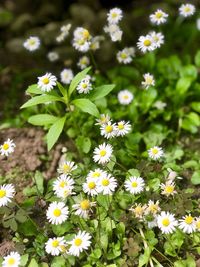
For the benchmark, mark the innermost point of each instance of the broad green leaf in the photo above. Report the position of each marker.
(62, 89)
(144, 258)
(24, 260)
(42, 119)
(196, 106)
(77, 79)
(101, 91)
(27, 228)
(189, 71)
(41, 100)
(58, 261)
(183, 85)
(33, 263)
(54, 132)
(86, 106)
(83, 144)
(33, 89)
(196, 177)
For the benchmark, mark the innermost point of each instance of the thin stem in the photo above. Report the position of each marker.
(145, 245)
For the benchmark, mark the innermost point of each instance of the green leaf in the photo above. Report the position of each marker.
(42, 119)
(189, 71)
(33, 89)
(33, 263)
(24, 260)
(101, 91)
(77, 79)
(61, 229)
(41, 100)
(54, 132)
(196, 106)
(183, 85)
(62, 89)
(86, 106)
(144, 258)
(83, 144)
(58, 261)
(28, 228)
(196, 177)
(39, 182)
(197, 59)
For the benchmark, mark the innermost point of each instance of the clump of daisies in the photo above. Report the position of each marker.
(148, 80)
(32, 43)
(82, 39)
(55, 246)
(66, 76)
(125, 97)
(7, 147)
(85, 85)
(47, 82)
(64, 32)
(126, 55)
(187, 10)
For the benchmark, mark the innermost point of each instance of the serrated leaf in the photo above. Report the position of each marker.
(42, 119)
(77, 79)
(54, 132)
(41, 100)
(86, 106)
(101, 91)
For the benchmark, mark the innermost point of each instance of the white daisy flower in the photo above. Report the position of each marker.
(66, 167)
(11, 260)
(197, 223)
(158, 38)
(7, 148)
(95, 42)
(83, 62)
(148, 80)
(125, 55)
(107, 184)
(155, 152)
(168, 189)
(79, 243)
(138, 210)
(81, 45)
(47, 82)
(55, 246)
(158, 17)
(160, 105)
(7, 192)
(84, 208)
(114, 31)
(84, 86)
(64, 33)
(63, 186)
(134, 185)
(32, 43)
(102, 153)
(57, 212)
(81, 33)
(123, 128)
(104, 119)
(109, 130)
(152, 207)
(53, 56)
(166, 222)
(187, 224)
(187, 10)
(96, 174)
(114, 15)
(66, 76)
(91, 187)
(146, 43)
(125, 97)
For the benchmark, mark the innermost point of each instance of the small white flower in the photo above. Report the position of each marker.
(81, 40)
(81, 33)
(166, 222)
(187, 224)
(168, 189)
(107, 184)
(138, 210)
(96, 174)
(32, 43)
(104, 119)
(146, 43)
(114, 31)
(7, 148)
(83, 62)
(158, 38)
(91, 187)
(95, 42)
(102, 153)
(109, 130)
(47, 82)
(152, 207)
(159, 17)
(57, 212)
(155, 152)
(66, 76)
(123, 128)
(79, 243)
(160, 105)
(55, 246)
(7, 192)
(84, 208)
(53, 56)
(187, 10)
(134, 185)
(63, 186)
(148, 80)
(125, 97)
(11, 260)
(114, 15)
(84, 86)
(125, 55)
(64, 33)
(66, 167)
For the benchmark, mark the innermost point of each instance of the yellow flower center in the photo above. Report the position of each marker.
(5, 146)
(125, 97)
(120, 126)
(134, 184)
(159, 15)
(55, 243)
(91, 185)
(187, 9)
(45, 80)
(31, 42)
(114, 15)
(147, 42)
(11, 261)
(198, 225)
(78, 242)
(149, 80)
(81, 42)
(83, 61)
(138, 210)
(63, 184)
(169, 189)
(105, 182)
(57, 212)
(109, 128)
(165, 222)
(153, 207)
(66, 167)
(154, 151)
(2, 193)
(95, 174)
(84, 85)
(123, 55)
(189, 219)
(102, 153)
(85, 204)
(86, 34)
